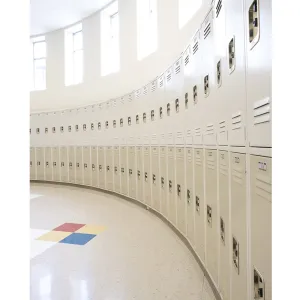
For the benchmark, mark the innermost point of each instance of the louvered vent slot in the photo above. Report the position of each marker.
(209, 129)
(161, 82)
(218, 8)
(207, 30)
(195, 47)
(236, 121)
(222, 126)
(169, 76)
(145, 91)
(153, 87)
(187, 59)
(177, 68)
(262, 111)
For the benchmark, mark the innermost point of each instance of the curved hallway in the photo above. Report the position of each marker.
(132, 255)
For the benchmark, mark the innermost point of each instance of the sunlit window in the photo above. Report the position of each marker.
(39, 63)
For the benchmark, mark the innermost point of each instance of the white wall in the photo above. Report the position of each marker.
(133, 73)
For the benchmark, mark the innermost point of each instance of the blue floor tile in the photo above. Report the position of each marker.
(78, 238)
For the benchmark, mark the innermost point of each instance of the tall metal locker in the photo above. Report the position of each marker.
(181, 189)
(109, 167)
(55, 163)
(164, 186)
(153, 111)
(32, 164)
(171, 186)
(87, 175)
(258, 49)
(225, 241)
(189, 175)
(211, 214)
(200, 207)
(72, 164)
(261, 227)
(124, 172)
(140, 173)
(95, 168)
(238, 226)
(169, 121)
(64, 164)
(147, 176)
(79, 165)
(156, 183)
(40, 163)
(117, 176)
(132, 172)
(48, 164)
(161, 110)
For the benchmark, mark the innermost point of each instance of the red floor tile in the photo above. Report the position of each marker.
(69, 227)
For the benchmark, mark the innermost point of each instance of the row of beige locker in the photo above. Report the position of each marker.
(202, 192)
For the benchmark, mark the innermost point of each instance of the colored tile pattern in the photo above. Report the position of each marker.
(72, 233)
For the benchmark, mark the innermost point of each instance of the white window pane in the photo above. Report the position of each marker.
(39, 74)
(187, 9)
(39, 50)
(77, 40)
(78, 66)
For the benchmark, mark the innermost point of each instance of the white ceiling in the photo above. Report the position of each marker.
(49, 15)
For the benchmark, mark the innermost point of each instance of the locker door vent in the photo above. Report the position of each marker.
(231, 55)
(207, 30)
(236, 121)
(254, 23)
(186, 100)
(187, 60)
(161, 82)
(145, 90)
(169, 76)
(222, 126)
(177, 68)
(219, 74)
(261, 111)
(218, 8)
(235, 254)
(153, 87)
(206, 85)
(209, 129)
(259, 286)
(195, 47)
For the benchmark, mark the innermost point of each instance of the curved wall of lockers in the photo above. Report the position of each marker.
(194, 144)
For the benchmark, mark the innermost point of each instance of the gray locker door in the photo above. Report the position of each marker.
(190, 196)
(212, 219)
(200, 207)
(117, 171)
(55, 163)
(32, 164)
(124, 172)
(132, 172)
(102, 168)
(48, 164)
(40, 163)
(72, 164)
(147, 176)
(64, 164)
(79, 165)
(171, 185)
(140, 172)
(163, 181)
(87, 166)
(225, 241)
(261, 227)
(95, 169)
(109, 168)
(180, 190)
(155, 178)
(239, 226)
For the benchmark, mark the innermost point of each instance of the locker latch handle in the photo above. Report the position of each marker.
(130, 171)
(195, 94)
(178, 189)
(259, 285)
(54, 164)
(209, 215)
(170, 185)
(153, 178)
(139, 174)
(93, 167)
(222, 230)
(146, 176)
(77, 165)
(116, 169)
(122, 170)
(62, 164)
(197, 203)
(38, 163)
(70, 165)
(188, 195)
(177, 105)
(31, 164)
(235, 254)
(107, 168)
(100, 168)
(47, 164)
(162, 180)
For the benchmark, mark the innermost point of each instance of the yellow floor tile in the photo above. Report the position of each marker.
(91, 229)
(54, 236)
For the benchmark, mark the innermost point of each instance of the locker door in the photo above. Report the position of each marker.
(132, 172)
(117, 177)
(225, 241)
(261, 227)
(190, 196)
(180, 189)
(163, 181)
(48, 164)
(55, 163)
(211, 215)
(87, 176)
(200, 207)
(147, 176)
(140, 172)
(102, 168)
(32, 164)
(239, 226)
(40, 163)
(95, 169)
(171, 186)
(109, 167)
(72, 164)
(124, 172)
(64, 164)
(79, 165)
(155, 178)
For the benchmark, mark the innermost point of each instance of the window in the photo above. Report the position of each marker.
(110, 56)
(73, 55)
(187, 9)
(146, 27)
(39, 63)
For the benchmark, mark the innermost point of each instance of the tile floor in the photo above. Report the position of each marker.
(86, 245)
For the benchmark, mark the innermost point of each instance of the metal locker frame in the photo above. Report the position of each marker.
(48, 164)
(147, 175)
(140, 173)
(87, 165)
(211, 214)
(155, 180)
(56, 164)
(171, 186)
(164, 183)
(124, 170)
(132, 172)
(261, 227)
(40, 163)
(72, 164)
(64, 164)
(32, 165)
(239, 245)
(95, 168)
(79, 165)
(109, 157)
(117, 171)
